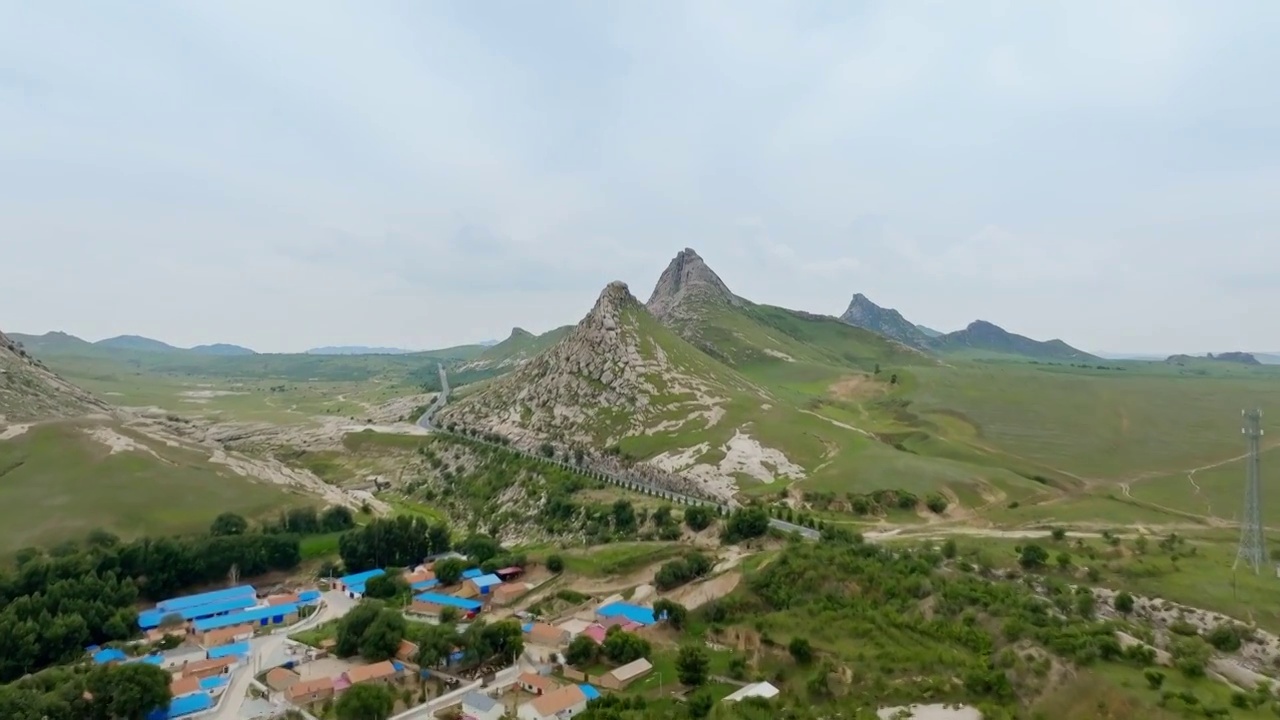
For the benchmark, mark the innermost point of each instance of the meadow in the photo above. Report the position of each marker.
(57, 483)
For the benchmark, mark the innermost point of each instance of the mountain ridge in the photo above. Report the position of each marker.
(29, 391)
(884, 321)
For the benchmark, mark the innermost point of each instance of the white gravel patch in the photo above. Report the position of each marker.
(13, 431)
(929, 712)
(742, 454)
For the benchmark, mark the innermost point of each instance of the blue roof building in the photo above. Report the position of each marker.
(240, 648)
(450, 601)
(152, 659)
(485, 582)
(424, 585)
(148, 619)
(215, 596)
(109, 655)
(634, 613)
(308, 597)
(183, 706)
(471, 573)
(590, 691)
(262, 617)
(360, 578)
(215, 682)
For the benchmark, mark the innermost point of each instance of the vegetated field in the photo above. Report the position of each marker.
(1215, 492)
(1201, 577)
(1145, 420)
(619, 558)
(57, 483)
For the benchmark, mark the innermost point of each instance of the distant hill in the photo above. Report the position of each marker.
(52, 343)
(136, 343)
(222, 349)
(519, 347)
(985, 338)
(883, 321)
(930, 332)
(1268, 358)
(29, 391)
(358, 350)
(1240, 358)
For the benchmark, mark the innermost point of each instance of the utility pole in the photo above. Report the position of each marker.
(1252, 549)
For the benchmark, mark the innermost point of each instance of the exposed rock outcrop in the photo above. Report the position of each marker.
(29, 391)
(883, 321)
(687, 282)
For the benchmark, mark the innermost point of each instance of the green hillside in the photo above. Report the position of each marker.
(518, 347)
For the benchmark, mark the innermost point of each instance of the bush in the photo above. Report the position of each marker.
(678, 572)
(801, 650)
(936, 504)
(697, 517)
(555, 564)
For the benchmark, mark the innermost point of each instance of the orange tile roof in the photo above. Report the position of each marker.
(407, 651)
(285, 599)
(200, 666)
(365, 673)
(560, 700)
(544, 634)
(222, 636)
(282, 678)
(425, 608)
(184, 686)
(541, 682)
(308, 687)
(420, 575)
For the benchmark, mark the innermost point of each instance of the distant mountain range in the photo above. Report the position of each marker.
(358, 350)
(980, 338)
(60, 343)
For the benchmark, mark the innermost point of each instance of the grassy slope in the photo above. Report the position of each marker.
(57, 483)
(522, 346)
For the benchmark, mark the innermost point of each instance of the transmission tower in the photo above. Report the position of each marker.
(1252, 550)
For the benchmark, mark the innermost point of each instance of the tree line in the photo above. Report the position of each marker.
(110, 692)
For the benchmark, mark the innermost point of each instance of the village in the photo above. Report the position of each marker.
(237, 654)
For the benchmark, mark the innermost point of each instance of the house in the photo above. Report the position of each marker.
(257, 617)
(235, 651)
(381, 673)
(310, 691)
(760, 690)
(158, 634)
(182, 707)
(185, 685)
(620, 677)
(225, 635)
(556, 705)
(208, 668)
(406, 652)
(108, 656)
(536, 684)
(281, 679)
(634, 613)
(481, 707)
(353, 585)
(468, 608)
(181, 655)
(283, 599)
(596, 632)
(546, 635)
(484, 583)
(510, 573)
(507, 593)
(429, 611)
(420, 575)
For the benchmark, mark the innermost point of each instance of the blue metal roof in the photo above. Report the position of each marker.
(361, 577)
(214, 596)
(240, 648)
(152, 660)
(634, 613)
(185, 705)
(424, 584)
(357, 588)
(485, 581)
(214, 682)
(590, 692)
(449, 600)
(148, 619)
(472, 573)
(308, 595)
(256, 615)
(102, 657)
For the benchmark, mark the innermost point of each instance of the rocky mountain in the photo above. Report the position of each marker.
(616, 373)
(930, 332)
(29, 391)
(884, 321)
(1240, 358)
(985, 338)
(692, 300)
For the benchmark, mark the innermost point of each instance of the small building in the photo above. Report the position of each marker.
(627, 612)
(507, 593)
(420, 575)
(236, 651)
(426, 610)
(484, 583)
(282, 599)
(208, 668)
(548, 636)
(257, 617)
(755, 690)
(556, 705)
(226, 635)
(471, 573)
(185, 685)
(509, 573)
(468, 608)
(310, 691)
(479, 706)
(183, 707)
(620, 677)
(381, 673)
(407, 652)
(181, 655)
(106, 656)
(353, 585)
(281, 679)
(536, 684)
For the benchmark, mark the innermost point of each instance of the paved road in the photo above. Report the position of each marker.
(441, 398)
(336, 604)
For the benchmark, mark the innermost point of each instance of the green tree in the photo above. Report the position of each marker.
(381, 639)
(1123, 603)
(228, 524)
(365, 702)
(697, 517)
(1032, 556)
(1154, 677)
(449, 570)
(1064, 560)
(622, 647)
(385, 587)
(801, 650)
(128, 692)
(555, 564)
(949, 549)
(1058, 534)
(352, 626)
(582, 651)
(692, 666)
(673, 612)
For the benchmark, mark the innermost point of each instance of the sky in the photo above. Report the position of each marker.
(290, 174)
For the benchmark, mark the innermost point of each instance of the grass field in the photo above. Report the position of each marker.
(57, 483)
(619, 558)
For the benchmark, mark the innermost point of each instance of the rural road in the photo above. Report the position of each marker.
(442, 398)
(336, 604)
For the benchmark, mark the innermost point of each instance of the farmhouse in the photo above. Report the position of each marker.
(257, 617)
(507, 593)
(483, 584)
(625, 612)
(185, 685)
(281, 679)
(224, 635)
(545, 635)
(468, 608)
(536, 684)
(559, 704)
(310, 691)
(380, 673)
(353, 585)
(203, 605)
(481, 707)
(620, 677)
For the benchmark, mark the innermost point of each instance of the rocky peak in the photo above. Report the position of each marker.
(687, 278)
(883, 321)
(519, 332)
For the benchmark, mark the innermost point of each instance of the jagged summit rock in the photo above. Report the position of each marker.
(687, 282)
(519, 332)
(884, 321)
